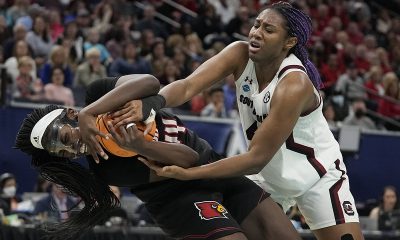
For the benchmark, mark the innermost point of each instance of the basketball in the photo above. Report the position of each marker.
(110, 145)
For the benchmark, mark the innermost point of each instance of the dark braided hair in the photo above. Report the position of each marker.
(75, 179)
(299, 25)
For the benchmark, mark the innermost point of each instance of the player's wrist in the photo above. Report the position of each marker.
(150, 106)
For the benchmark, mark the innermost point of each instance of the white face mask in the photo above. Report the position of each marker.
(10, 191)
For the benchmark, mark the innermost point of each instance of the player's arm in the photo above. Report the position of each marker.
(213, 70)
(228, 61)
(127, 88)
(293, 96)
(164, 153)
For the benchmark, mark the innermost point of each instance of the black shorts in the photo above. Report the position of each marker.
(201, 209)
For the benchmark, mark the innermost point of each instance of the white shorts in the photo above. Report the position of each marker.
(327, 203)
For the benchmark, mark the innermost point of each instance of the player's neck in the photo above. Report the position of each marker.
(266, 71)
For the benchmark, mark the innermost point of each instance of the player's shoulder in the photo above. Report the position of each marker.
(239, 47)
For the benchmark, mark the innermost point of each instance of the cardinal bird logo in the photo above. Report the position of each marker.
(210, 209)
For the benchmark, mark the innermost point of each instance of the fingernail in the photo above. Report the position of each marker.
(106, 157)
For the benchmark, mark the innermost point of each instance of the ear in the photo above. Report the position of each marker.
(290, 43)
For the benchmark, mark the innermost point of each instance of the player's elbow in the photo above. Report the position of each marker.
(192, 157)
(152, 83)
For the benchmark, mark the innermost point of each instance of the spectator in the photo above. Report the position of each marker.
(357, 116)
(5, 32)
(330, 115)
(207, 22)
(39, 40)
(130, 62)
(90, 70)
(56, 91)
(17, 10)
(21, 49)
(27, 87)
(216, 107)
(330, 73)
(390, 107)
(374, 85)
(57, 59)
(388, 212)
(8, 193)
(235, 24)
(56, 27)
(149, 23)
(193, 46)
(19, 33)
(229, 88)
(74, 36)
(55, 207)
(157, 58)
(171, 73)
(93, 40)
(351, 84)
(226, 10)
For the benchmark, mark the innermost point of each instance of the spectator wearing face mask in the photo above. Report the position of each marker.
(357, 116)
(8, 193)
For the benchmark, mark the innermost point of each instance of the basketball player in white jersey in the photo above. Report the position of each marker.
(290, 144)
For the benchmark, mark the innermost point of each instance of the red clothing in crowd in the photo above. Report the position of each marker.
(389, 109)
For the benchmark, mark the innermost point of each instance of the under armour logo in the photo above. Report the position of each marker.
(36, 139)
(248, 80)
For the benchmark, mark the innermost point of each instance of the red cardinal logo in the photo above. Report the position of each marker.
(210, 210)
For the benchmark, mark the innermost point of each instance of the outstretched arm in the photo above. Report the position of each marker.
(230, 60)
(293, 96)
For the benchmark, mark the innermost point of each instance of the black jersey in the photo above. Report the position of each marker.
(129, 172)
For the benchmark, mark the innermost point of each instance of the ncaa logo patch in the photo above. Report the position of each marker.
(348, 208)
(246, 88)
(210, 209)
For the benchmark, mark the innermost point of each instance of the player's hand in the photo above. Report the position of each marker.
(130, 112)
(167, 171)
(128, 137)
(89, 131)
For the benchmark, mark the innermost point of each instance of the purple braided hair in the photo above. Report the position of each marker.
(299, 26)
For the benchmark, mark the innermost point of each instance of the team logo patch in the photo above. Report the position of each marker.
(267, 97)
(210, 209)
(246, 88)
(348, 208)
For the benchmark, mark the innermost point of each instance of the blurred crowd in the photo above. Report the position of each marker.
(51, 50)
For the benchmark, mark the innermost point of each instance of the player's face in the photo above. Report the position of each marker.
(268, 36)
(64, 137)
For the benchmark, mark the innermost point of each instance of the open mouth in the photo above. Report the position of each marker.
(254, 46)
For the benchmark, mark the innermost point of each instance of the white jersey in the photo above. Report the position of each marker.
(308, 152)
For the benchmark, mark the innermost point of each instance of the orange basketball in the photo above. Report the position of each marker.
(113, 147)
